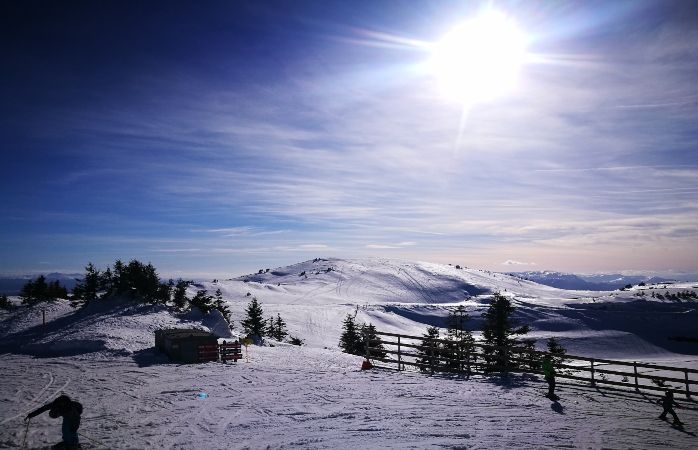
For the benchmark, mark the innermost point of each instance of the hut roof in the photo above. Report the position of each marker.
(186, 333)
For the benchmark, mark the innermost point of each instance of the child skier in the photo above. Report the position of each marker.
(549, 374)
(667, 402)
(64, 407)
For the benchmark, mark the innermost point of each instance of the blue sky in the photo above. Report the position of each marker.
(223, 138)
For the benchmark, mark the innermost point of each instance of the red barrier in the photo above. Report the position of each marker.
(230, 352)
(208, 352)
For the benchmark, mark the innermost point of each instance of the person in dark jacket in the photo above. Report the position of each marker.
(70, 410)
(667, 402)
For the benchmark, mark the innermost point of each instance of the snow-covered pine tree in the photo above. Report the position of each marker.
(461, 350)
(428, 353)
(351, 340)
(500, 329)
(254, 322)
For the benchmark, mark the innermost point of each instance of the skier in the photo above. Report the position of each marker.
(70, 410)
(667, 402)
(549, 374)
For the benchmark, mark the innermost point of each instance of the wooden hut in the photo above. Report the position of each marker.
(187, 345)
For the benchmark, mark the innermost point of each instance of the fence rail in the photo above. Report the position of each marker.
(428, 355)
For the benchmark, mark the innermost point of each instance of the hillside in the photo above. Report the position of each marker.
(315, 396)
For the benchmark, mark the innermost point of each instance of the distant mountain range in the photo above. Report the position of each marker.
(560, 280)
(598, 282)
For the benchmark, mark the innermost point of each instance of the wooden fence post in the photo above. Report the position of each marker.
(368, 352)
(399, 359)
(637, 386)
(688, 392)
(431, 360)
(593, 382)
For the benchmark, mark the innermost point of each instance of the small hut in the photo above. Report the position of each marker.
(187, 345)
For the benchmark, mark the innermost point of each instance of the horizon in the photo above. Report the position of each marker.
(680, 276)
(211, 139)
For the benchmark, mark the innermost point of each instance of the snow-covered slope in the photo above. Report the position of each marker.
(315, 396)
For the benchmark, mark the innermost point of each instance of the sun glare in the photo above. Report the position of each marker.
(479, 60)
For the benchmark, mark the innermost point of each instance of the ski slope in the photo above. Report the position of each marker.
(315, 396)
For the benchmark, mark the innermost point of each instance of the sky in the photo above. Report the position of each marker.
(221, 138)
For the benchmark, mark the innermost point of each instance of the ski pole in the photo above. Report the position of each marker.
(93, 440)
(26, 430)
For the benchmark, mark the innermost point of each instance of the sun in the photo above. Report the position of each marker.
(480, 59)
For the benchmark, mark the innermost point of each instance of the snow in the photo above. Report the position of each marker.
(315, 396)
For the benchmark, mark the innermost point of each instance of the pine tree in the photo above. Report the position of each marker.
(368, 332)
(277, 328)
(461, 349)
(254, 322)
(221, 306)
(350, 340)
(179, 296)
(428, 353)
(203, 301)
(557, 354)
(500, 329)
(5, 302)
(26, 294)
(41, 288)
(88, 288)
(118, 279)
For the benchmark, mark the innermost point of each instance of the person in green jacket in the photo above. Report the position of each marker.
(549, 374)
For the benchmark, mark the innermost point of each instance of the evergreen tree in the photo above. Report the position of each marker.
(428, 353)
(557, 354)
(26, 294)
(254, 322)
(38, 290)
(5, 302)
(41, 288)
(88, 288)
(351, 340)
(56, 291)
(221, 306)
(368, 332)
(499, 328)
(107, 283)
(203, 301)
(277, 328)
(179, 297)
(118, 278)
(461, 348)
(296, 341)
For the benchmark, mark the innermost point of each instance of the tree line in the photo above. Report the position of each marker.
(499, 329)
(141, 283)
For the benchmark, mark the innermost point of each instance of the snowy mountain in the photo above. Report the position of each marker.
(597, 282)
(315, 396)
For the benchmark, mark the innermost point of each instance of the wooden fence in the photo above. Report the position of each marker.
(429, 354)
